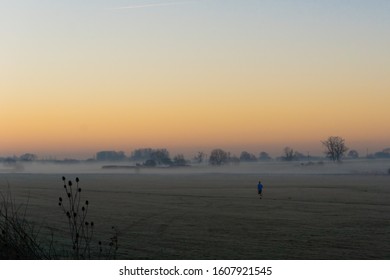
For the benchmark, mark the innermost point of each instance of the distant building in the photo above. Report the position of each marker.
(110, 156)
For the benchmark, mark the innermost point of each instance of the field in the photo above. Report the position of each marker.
(307, 212)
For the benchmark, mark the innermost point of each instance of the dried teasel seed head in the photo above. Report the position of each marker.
(63, 178)
(59, 204)
(79, 189)
(68, 194)
(92, 224)
(70, 183)
(77, 179)
(100, 243)
(86, 223)
(86, 202)
(60, 198)
(83, 208)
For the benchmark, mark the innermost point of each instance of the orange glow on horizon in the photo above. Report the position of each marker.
(121, 79)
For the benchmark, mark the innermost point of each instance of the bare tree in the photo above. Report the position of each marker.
(335, 148)
(179, 160)
(245, 156)
(288, 154)
(353, 154)
(218, 157)
(199, 157)
(161, 156)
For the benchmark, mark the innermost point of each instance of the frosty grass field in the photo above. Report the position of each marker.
(314, 211)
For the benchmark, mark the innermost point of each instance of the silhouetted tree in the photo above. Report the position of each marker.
(263, 156)
(199, 157)
(233, 159)
(28, 157)
(141, 154)
(245, 156)
(179, 160)
(161, 156)
(218, 157)
(353, 154)
(288, 154)
(335, 148)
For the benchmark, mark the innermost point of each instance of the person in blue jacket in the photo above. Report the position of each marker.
(260, 189)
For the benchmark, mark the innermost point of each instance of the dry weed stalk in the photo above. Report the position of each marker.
(81, 229)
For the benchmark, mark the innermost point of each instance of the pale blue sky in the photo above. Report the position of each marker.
(289, 58)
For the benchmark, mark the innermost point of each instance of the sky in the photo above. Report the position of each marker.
(77, 77)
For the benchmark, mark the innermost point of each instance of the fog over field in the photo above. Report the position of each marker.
(308, 211)
(357, 166)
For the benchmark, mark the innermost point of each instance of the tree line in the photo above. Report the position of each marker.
(335, 149)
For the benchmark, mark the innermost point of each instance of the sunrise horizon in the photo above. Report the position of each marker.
(77, 78)
(274, 151)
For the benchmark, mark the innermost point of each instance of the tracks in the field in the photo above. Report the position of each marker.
(209, 198)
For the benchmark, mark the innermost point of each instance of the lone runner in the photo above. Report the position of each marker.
(260, 189)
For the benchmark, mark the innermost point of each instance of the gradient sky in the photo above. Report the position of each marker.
(77, 77)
